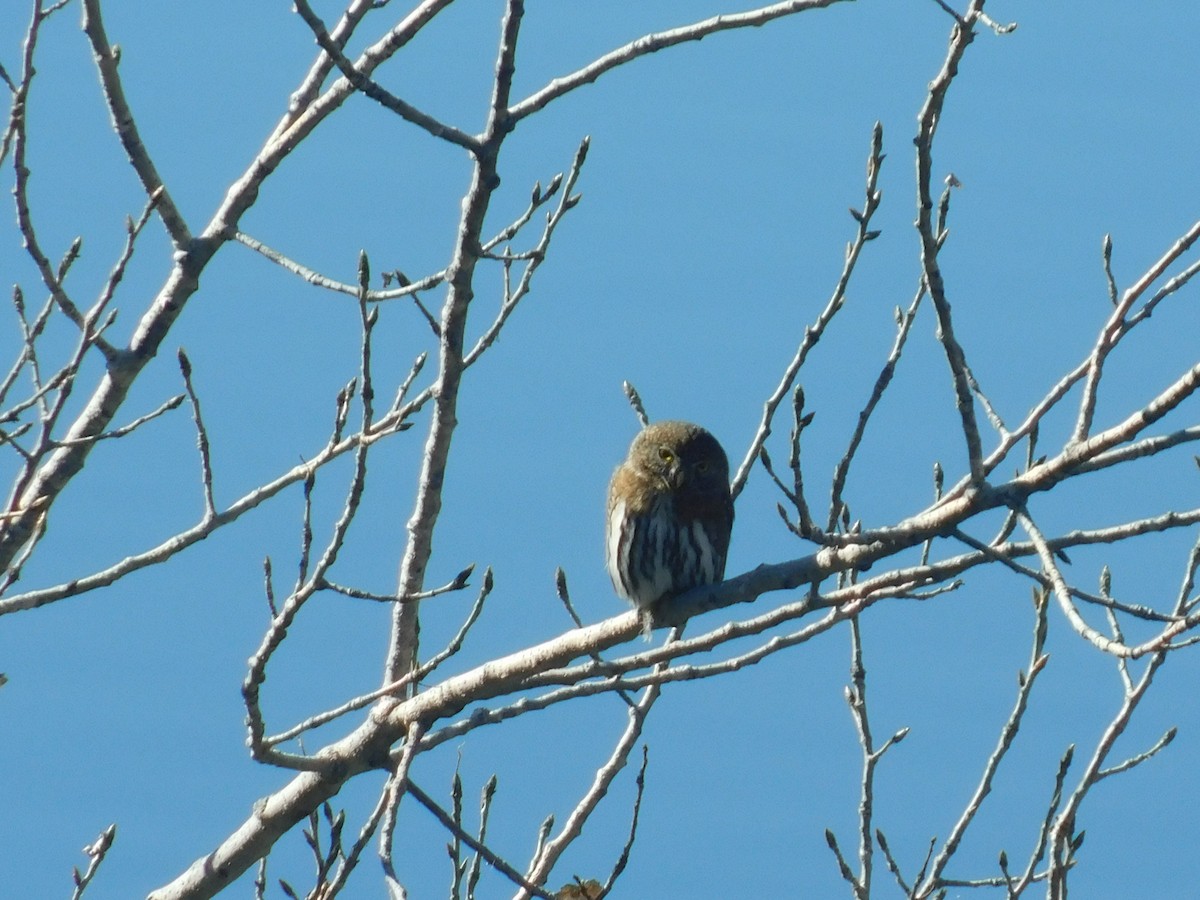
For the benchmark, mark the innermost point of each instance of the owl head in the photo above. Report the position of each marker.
(681, 458)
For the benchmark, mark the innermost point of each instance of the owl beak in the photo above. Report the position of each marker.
(676, 476)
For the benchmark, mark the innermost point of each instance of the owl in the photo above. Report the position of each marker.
(669, 516)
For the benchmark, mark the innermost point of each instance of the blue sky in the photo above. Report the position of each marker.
(711, 231)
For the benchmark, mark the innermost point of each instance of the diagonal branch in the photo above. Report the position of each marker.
(1037, 662)
(1056, 394)
(122, 119)
(371, 88)
(551, 852)
(813, 333)
(390, 424)
(492, 858)
(904, 322)
(660, 40)
(304, 95)
(1116, 326)
(1062, 593)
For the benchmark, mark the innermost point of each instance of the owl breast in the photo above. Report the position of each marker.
(657, 554)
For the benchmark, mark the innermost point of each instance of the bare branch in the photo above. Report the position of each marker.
(843, 867)
(1109, 603)
(398, 785)
(567, 201)
(29, 334)
(492, 859)
(365, 700)
(366, 85)
(206, 473)
(122, 119)
(1106, 253)
(389, 425)
(96, 850)
(813, 332)
(459, 582)
(1037, 662)
(1114, 329)
(960, 38)
(485, 806)
(166, 407)
(623, 859)
(1063, 594)
(652, 43)
(904, 323)
(856, 699)
(892, 865)
(304, 95)
(403, 644)
(309, 275)
(549, 854)
(1040, 845)
(51, 277)
(1139, 758)
(133, 230)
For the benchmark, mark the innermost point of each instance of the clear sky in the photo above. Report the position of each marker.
(711, 232)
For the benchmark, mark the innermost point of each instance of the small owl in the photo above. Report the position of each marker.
(669, 515)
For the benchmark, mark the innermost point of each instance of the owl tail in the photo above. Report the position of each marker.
(646, 618)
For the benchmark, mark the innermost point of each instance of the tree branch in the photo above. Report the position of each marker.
(652, 43)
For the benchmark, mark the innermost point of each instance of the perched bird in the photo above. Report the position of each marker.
(669, 515)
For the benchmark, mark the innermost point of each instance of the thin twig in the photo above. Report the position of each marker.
(394, 422)
(1114, 329)
(566, 202)
(122, 119)
(303, 97)
(1106, 248)
(52, 278)
(398, 785)
(206, 472)
(961, 36)
(350, 859)
(904, 322)
(1061, 389)
(96, 851)
(393, 687)
(308, 583)
(133, 230)
(460, 581)
(311, 276)
(1139, 758)
(490, 857)
(1110, 604)
(892, 865)
(813, 333)
(365, 84)
(843, 867)
(856, 699)
(166, 407)
(1037, 662)
(29, 334)
(1062, 593)
(623, 857)
(652, 43)
(551, 851)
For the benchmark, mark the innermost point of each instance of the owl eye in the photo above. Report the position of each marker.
(665, 455)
